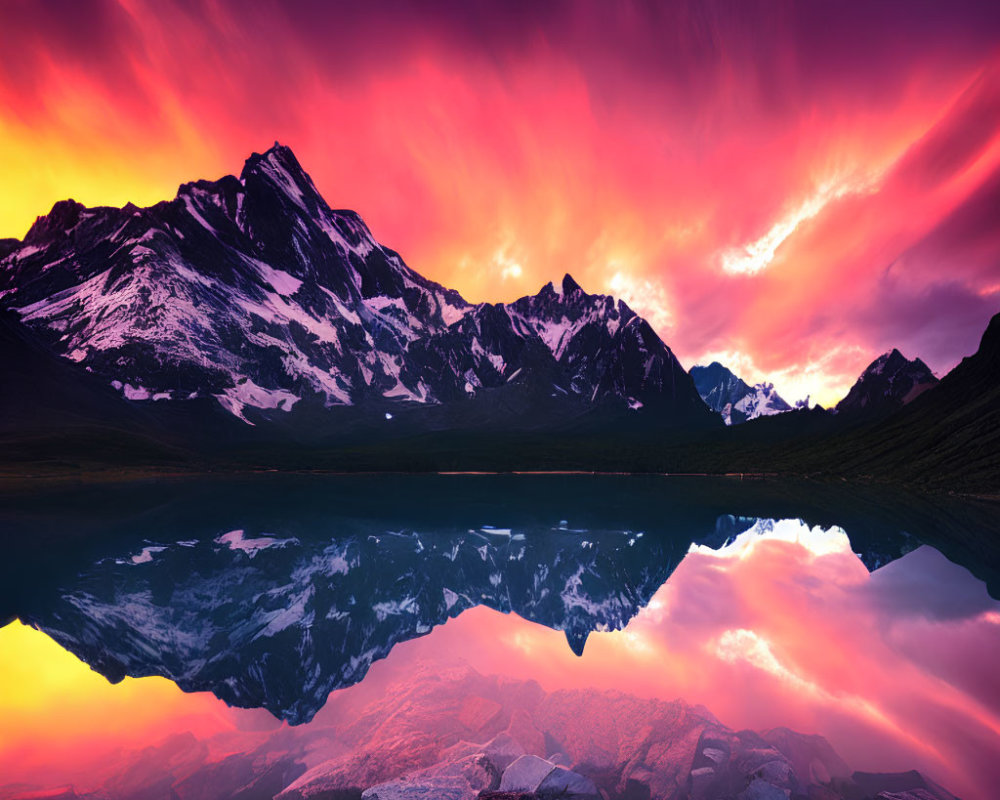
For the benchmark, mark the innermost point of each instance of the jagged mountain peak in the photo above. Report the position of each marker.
(762, 401)
(277, 185)
(277, 154)
(63, 217)
(565, 288)
(568, 296)
(569, 285)
(888, 382)
(891, 359)
(277, 161)
(894, 360)
(280, 169)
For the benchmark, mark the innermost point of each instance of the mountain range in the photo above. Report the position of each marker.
(252, 291)
(246, 323)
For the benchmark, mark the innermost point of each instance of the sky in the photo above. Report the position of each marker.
(789, 188)
(782, 629)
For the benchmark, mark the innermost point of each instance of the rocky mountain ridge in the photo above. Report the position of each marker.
(253, 291)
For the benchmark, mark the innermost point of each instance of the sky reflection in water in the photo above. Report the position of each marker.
(783, 627)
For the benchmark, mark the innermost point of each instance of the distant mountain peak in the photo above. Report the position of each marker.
(888, 382)
(890, 359)
(735, 400)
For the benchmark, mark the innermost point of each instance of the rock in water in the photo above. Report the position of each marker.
(525, 774)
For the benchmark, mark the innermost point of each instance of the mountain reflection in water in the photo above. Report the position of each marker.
(275, 602)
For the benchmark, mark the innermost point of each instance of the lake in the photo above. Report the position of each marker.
(463, 636)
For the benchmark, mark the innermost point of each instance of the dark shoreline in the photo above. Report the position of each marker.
(965, 527)
(122, 476)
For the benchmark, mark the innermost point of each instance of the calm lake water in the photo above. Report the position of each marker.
(457, 636)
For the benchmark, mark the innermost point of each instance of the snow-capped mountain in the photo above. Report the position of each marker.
(718, 386)
(763, 401)
(735, 400)
(253, 291)
(889, 382)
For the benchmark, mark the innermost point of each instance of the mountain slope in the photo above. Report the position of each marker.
(952, 429)
(948, 437)
(718, 386)
(253, 292)
(55, 413)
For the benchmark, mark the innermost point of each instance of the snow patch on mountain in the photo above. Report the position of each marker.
(136, 392)
(762, 401)
(279, 280)
(237, 398)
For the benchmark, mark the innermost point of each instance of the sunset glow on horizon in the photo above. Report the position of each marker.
(791, 189)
